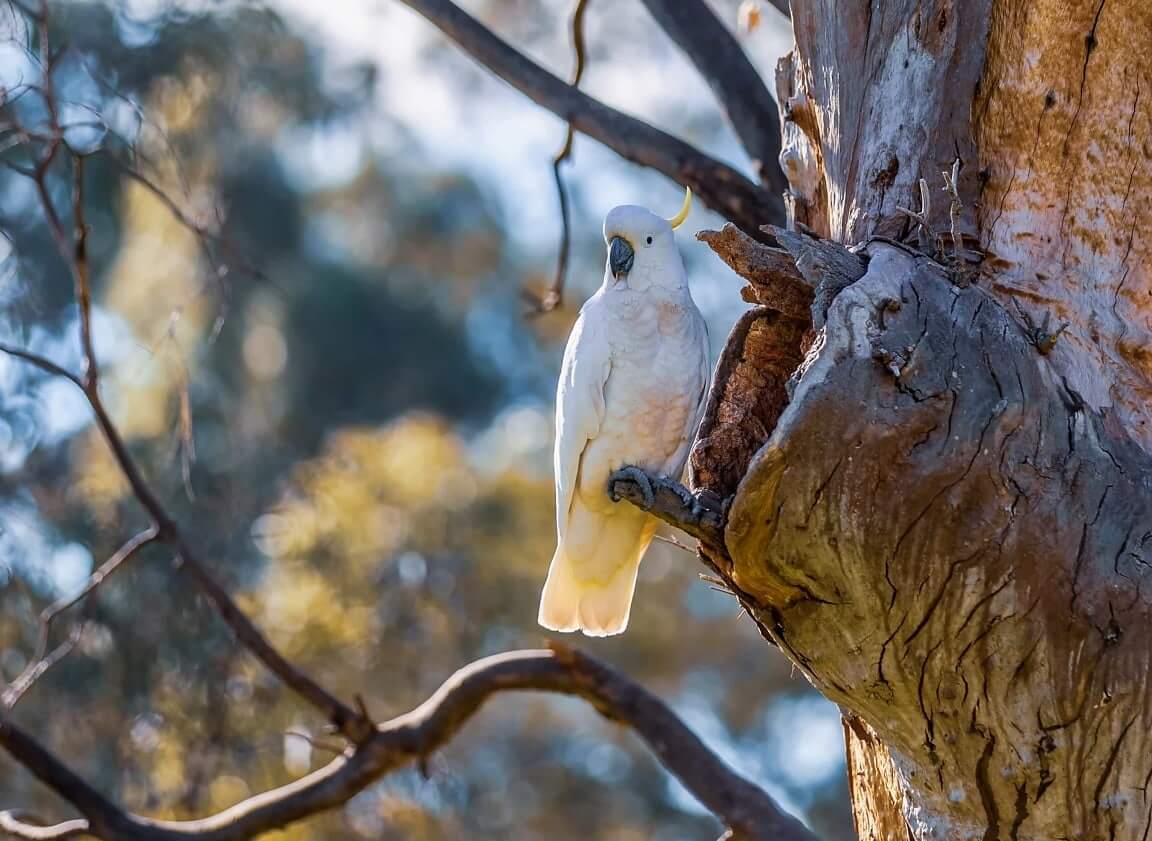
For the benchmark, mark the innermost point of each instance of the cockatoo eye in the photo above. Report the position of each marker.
(649, 240)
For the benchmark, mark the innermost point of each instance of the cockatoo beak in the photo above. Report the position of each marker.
(620, 257)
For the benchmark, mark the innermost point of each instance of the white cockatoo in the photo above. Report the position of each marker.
(631, 393)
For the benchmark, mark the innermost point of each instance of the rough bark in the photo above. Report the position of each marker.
(951, 545)
(940, 513)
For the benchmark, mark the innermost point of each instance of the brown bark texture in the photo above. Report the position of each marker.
(938, 502)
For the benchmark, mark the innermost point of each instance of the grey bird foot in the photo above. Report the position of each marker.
(642, 481)
(687, 497)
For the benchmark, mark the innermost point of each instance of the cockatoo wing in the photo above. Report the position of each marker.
(579, 405)
(705, 380)
(674, 467)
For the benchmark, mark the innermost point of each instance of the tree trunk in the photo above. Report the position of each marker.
(942, 517)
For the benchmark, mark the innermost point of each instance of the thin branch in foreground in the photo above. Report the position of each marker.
(736, 802)
(48, 616)
(717, 185)
(42, 362)
(80, 269)
(19, 824)
(36, 669)
(555, 294)
(352, 725)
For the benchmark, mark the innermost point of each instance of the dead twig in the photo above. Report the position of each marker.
(553, 297)
(36, 669)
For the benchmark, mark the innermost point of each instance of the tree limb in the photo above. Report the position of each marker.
(739, 90)
(43, 363)
(347, 720)
(718, 185)
(555, 293)
(774, 281)
(13, 823)
(41, 660)
(734, 800)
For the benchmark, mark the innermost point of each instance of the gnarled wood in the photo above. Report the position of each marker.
(952, 546)
(773, 279)
(946, 528)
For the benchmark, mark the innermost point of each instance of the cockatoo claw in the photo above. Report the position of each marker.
(686, 496)
(640, 478)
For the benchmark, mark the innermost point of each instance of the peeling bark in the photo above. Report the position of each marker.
(749, 388)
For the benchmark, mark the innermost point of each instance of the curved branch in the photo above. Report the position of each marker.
(734, 800)
(718, 185)
(42, 660)
(555, 294)
(739, 90)
(42, 362)
(347, 720)
(11, 823)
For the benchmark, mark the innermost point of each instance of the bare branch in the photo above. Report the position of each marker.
(43, 363)
(36, 669)
(739, 90)
(42, 660)
(374, 751)
(346, 720)
(774, 281)
(19, 825)
(718, 185)
(203, 234)
(555, 294)
(80, 269)
(734, 800)
(340, 714)
(104, 818)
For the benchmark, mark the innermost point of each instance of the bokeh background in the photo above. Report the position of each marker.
(354, 417)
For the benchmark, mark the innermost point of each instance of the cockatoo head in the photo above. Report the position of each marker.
(642, 246)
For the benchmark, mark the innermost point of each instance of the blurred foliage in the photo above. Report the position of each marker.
(349, 432)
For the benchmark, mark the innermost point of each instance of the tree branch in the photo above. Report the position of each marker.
(43, 363)
(739, 90)
(718, 185)
(734, 800)
(553, 297)
(774, 281)
(42, 660)
(17, 825)
(350, 723)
